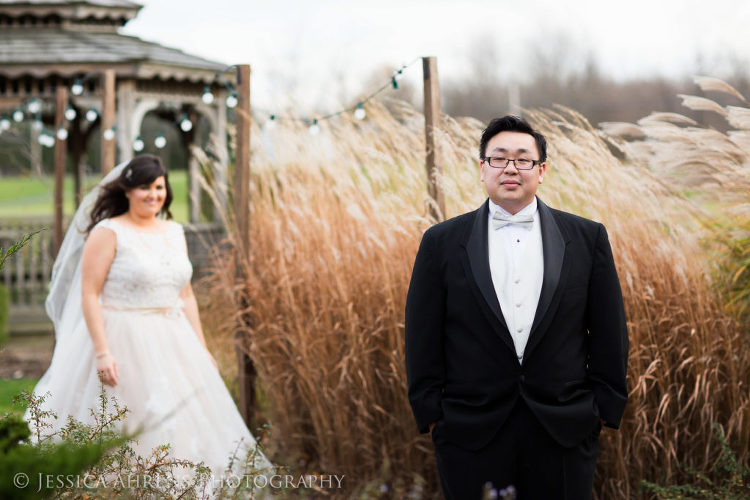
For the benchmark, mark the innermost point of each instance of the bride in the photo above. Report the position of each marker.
(125, 315)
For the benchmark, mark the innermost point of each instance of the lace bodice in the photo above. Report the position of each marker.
(149, 269)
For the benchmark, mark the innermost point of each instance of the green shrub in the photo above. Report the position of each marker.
(84, 460)
(733, 482)
(4, 308)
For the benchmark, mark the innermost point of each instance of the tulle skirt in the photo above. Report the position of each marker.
(173, 392)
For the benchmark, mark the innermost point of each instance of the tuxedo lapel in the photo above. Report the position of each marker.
(479, 264)
(553, 250)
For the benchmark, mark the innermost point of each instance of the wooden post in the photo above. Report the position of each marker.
(431, 124)
(242, 160)
(246, 370)
(61, 102)
(108, 121)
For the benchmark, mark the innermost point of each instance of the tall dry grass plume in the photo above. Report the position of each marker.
(336, 220)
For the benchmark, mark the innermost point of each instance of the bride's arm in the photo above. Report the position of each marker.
(193, 316)
(191, 311)
(98, 254)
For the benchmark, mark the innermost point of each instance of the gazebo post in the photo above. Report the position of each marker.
(125, 133)
(193, 171)
(61, 101)
(108, 121)
(246, 369)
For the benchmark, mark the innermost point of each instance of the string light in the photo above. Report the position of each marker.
(34, 106)
(46, 140)
(271, 123)
(360, 113)
(185, 124)
(397, 75)
(314, 128)
(70, 113)
(207, 96)
(232, 100)
(77, 88)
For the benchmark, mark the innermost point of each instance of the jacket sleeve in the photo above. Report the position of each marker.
(425, 311)
(608, 347)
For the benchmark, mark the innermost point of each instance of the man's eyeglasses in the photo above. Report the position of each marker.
(501, 162)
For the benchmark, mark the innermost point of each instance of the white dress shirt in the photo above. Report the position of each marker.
(517, 268)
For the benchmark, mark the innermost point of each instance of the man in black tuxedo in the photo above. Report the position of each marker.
(516, 341)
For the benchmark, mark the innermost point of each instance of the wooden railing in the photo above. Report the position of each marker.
(26, 275)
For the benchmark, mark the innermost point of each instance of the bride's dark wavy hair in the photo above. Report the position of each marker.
(142, 170)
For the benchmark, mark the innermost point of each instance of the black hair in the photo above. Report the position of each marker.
(512, 123)
(142, 170)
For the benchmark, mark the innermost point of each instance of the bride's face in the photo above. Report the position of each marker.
(147, 200)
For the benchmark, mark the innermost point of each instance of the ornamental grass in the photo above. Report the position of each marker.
(336, 219)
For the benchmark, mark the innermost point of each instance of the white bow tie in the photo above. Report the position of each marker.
(500, 220)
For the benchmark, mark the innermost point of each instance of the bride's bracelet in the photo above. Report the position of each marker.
(102, 354)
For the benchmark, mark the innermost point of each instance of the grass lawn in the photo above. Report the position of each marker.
(33, 195)
(9, 388)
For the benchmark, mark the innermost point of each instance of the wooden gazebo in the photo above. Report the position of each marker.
(49, 45)
(45, 44)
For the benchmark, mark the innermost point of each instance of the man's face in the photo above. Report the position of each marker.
(510, 187)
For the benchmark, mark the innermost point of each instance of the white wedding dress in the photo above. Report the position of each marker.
(166, 378)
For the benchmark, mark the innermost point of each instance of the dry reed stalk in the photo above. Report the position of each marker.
(689, 362)
(336, 221)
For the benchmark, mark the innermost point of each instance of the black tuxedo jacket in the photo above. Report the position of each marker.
(461, 363)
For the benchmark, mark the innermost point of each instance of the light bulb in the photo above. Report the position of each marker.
(38, 125)
(18, 116)
(91, 115)
(4, 124)
(70, 113)
(77, 88)
(207, 96)
(109, 134)
(62, 134)
(46, 140)
(186, 125)
(138, 144)
(160, 141)
(314, 128)
(34, 106)
(360, 113)
(232, 100)
(397, 75)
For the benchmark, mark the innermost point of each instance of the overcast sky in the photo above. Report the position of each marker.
(317, 52)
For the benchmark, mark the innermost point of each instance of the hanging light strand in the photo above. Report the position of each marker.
(358, 109)
(185, 124)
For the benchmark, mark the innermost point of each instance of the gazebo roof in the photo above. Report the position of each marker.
(70, 37)
(40, 52)
(103, 3)
(120, 10)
